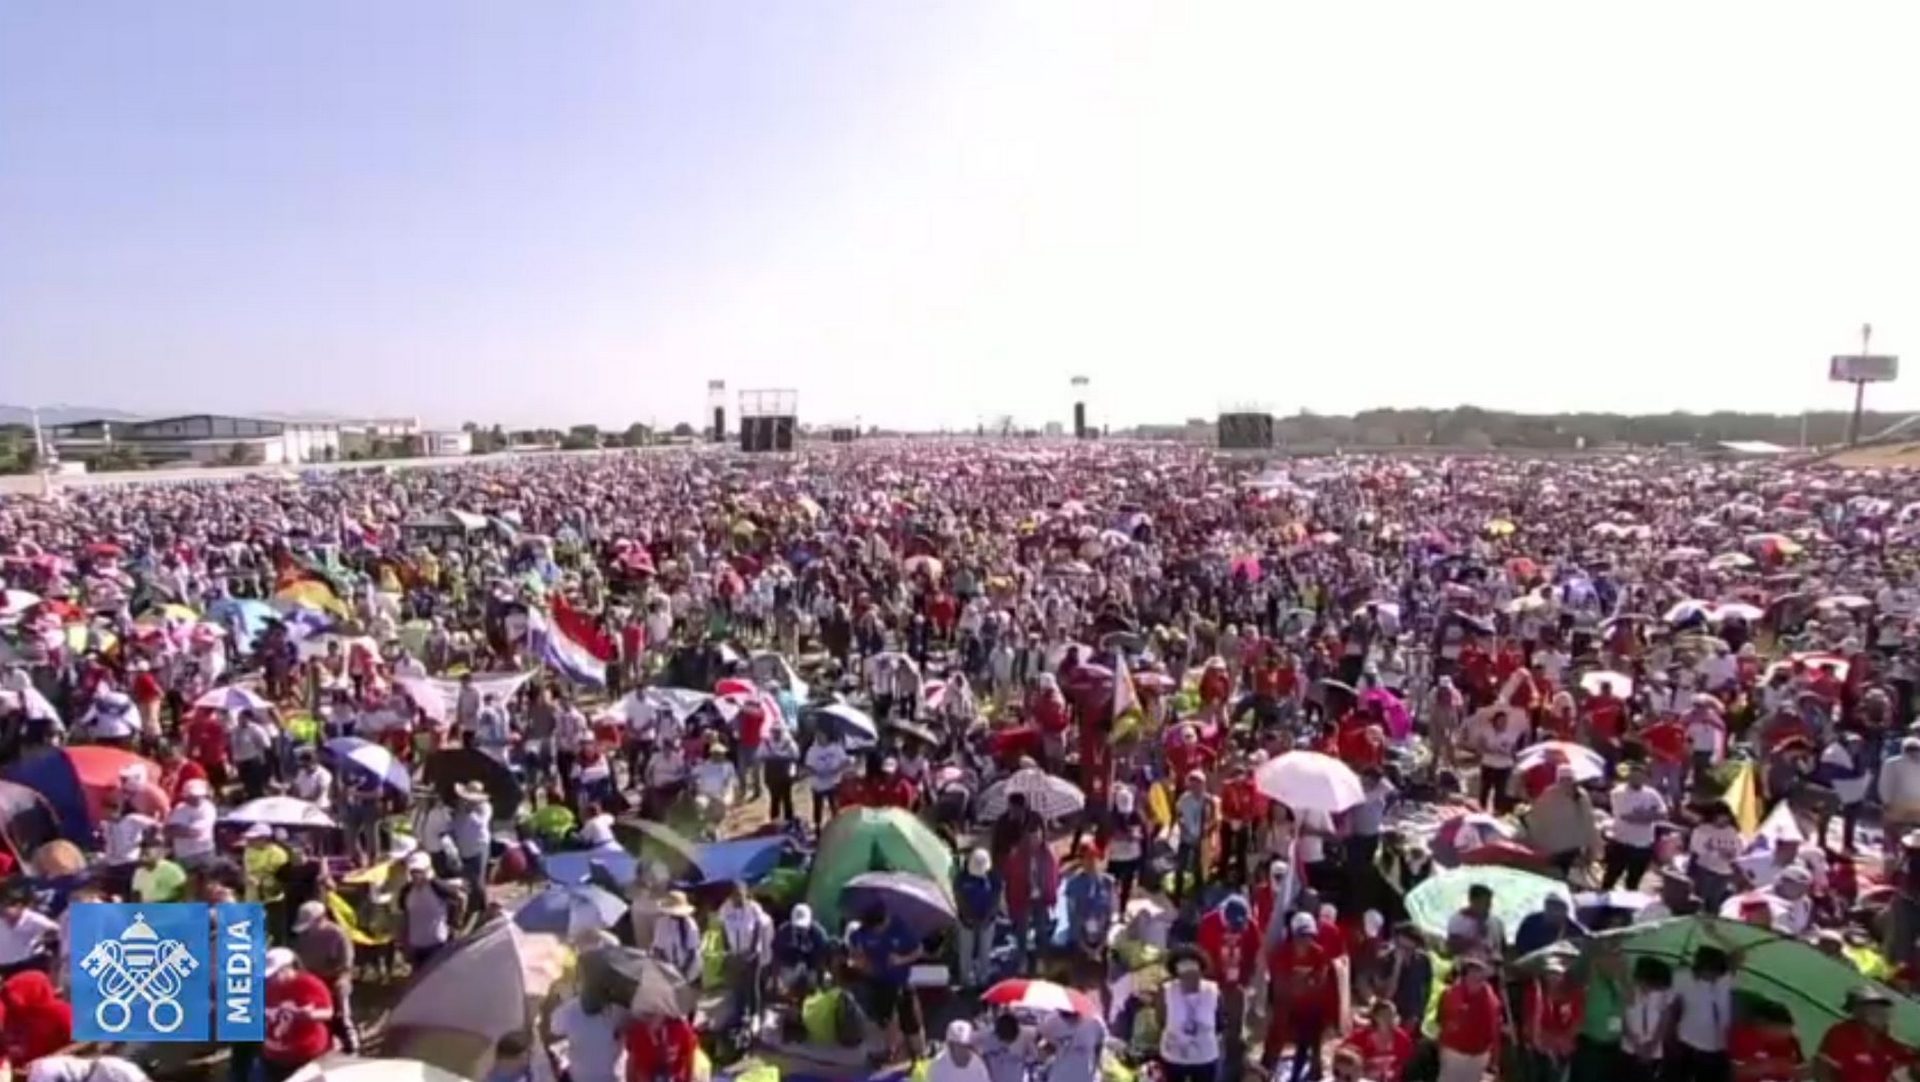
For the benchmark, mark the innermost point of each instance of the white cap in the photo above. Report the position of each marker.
(195, 788)
(419, 862)
(979, 862)
(960, 1031)
(802, 916)
(308, 915)
(278, 959)
(256, 831)
(1302, 924)
(133, 774)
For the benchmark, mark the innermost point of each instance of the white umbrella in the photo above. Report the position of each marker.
(280, 811)
(1730, 561)
(1687, 610)
(355, 1069)
(1732, 609)
(231, 697)
(1845, 601)
(1309, 781)
(1049, 797)
(1587, 764)
(373, 759)
(1619, 683)
(850, 721)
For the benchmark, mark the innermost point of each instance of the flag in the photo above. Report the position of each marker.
(1126, 702)
(551, 643)
(1743, 797)
(582, 629)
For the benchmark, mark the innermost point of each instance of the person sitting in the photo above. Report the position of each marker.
(801, 951)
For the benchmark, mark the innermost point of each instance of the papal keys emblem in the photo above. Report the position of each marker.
(139, 967)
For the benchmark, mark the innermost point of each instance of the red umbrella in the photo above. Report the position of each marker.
(1041, 996)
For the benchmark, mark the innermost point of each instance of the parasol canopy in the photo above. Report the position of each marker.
(280, 811)
(1052, 798)
(917, 902)
(1307, 781)
(1041, 996)
(1516, 895)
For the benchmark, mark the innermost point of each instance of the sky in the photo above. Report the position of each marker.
(921, 214)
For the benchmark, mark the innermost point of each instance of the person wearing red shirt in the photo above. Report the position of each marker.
(299, 1016)
(1762, 1047)
(753, 730)
(890, 790)
(1186, 753)
(147, 694)
(1860, 1049)
(1554, 1010)
(1306, 998)
(1469, 1017)
(206, 739)
(37, 1022)
(1216, 684)
(1231, 940)
(1239, 810)
(176, 771)
(1383, 1047)
(1361, 742)
(660, 1049)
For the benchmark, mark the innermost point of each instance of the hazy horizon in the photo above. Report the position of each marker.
(935, 214)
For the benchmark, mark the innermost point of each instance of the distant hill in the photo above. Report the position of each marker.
(62, 415)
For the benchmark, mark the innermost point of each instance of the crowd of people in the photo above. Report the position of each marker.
(1089, 761)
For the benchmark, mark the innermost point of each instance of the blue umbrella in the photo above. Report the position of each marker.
(245, 618)
(915, 901)
(613, 865)
(740, 860)
(563, 907)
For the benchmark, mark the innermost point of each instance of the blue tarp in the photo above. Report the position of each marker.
(50, 773)
(751, 859)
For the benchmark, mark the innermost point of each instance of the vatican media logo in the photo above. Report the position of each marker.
(148, 972)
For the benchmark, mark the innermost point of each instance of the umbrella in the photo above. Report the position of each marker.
(1462, 834)
(1048, 796)
(1587, 764)
(355, 1069)
(1833, 664)
(1693, 609)
(634, 980)
(1399, 721)
(280, 811)
(1041, 996)
(451, 767)
(1309, 781)
(1619, 683)
(1811, 985)
(1845, 601)
(1516, 894)
(915, 901)
(657, 841)
(231, 697)
(1731, 610)
(566, 908)
(928, 565)
(847, 721)
(372, 758)
(914, 729)
(477, 989)
(1730, 561)
(1625, 901)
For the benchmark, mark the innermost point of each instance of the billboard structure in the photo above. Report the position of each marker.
(1861, 369)
(717, 405)
(1080, 431)
(769, 420)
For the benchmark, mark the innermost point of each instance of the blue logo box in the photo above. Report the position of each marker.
(150, 972)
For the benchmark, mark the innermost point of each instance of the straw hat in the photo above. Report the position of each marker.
(676, 905)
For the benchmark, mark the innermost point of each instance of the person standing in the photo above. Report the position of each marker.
(958, 1062)
(326, 951)
(1637, 810)
(596, 1039)
(1033, 885)
(1190, 1038)
(472, 830)
(299, 1014)
(1699, 1019)
(1861, 1049)
(1470, 1023)
(747, 935)
(976, 892)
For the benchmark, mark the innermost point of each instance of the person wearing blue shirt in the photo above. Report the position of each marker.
(1553, 924)
(883, 951)
(800, 950)
(1090, 895)
(976, 893)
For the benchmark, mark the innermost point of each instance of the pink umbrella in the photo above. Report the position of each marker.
(1399, 722)
(1247, 567)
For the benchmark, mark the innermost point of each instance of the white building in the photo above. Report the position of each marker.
(204, 438)
(445, 443)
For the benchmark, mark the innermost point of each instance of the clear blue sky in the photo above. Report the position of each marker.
(922, 212)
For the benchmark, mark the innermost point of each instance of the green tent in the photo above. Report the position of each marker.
(1516, 895)
(1770, 966)
(862, 840)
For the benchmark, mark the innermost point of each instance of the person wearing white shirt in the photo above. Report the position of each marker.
(1701, 1013)
(1900, 789)
(1637, 810)
(597, 831)
(28, 938)
(596, 1046)
(747, 934)
(827, 762)
(1712, 849)
(1644, 1021)
(123, 834)
(312, 782)
(190, 826)
(958, 1062)
(1190, 1039)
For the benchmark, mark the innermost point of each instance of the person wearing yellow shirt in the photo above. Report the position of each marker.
(262, 861)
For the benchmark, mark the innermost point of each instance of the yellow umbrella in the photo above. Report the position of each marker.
(79, 634)
(180, 613)
(1500, 527)
(310, 595)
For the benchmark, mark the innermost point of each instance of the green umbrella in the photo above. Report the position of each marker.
(861, 840)
(1516, 895)
(1768, 965)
